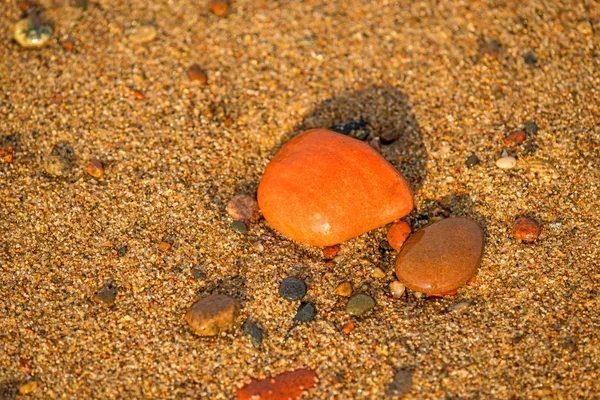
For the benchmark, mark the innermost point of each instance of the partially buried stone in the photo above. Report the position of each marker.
(142, 34)
(60, 160)
(401, 384)
(330, 252)
(360, 304)
(107, 294)
(213, 314)
(122, 250)
(323, 188)
(378, 273)
(530, 128)
(530, 59)
(219, 7)
(306, 313)
(198, 273)
(506, 162)
(472, 160)
(397, 234)
(244, 208)
(239, 227)
(356, 129)
(390, 136)
(441, 257)
(197, 74)
(292, 289)
(526, 229)
(95, 169)
(253, 331)
(32, 32)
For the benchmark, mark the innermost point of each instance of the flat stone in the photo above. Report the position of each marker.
(323, 188)
(306, 313)
(292, 289)
(397, 234)
(506, 162)
(244, 208)
(344, 289)
(107, 294)
(526, 229)
(239, 227)
(253, 331)
(441, 257)
(360, 304)
(213, 314)
(142, 34)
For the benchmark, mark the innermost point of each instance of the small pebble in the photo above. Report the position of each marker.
(306, 313)
(375, 143)
(506, 162)
(515, 138)
(107, 294)
(6, 154)
(530, 59)
(359, 304)
(243, 208)
(472, 160)
(356, 129)
(213, 314)
(401, 384)
(460, 305)
(344, 289)
(419, 295)
(239, 227)
(197, 74)
(68, 45)
(397, 289)
(556, 226)
(31, 34)
(122, 250)
(330, 252)
(390, 136)
(198, 273)
(530, 128)
(95, 169)
(28, 387)
(165, 246)
(585, 27)
(253, 331)
(526, 229)
(219, 7)
(348, 327)
(61, 160)
(397, 234)
(292, 289)
(378, 273)
(142, 34)
(138, 95)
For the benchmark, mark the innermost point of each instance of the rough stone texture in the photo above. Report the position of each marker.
(360, 304)
(397, 234)
(526, 229)
(243, 208)
(441, 257)
(323, 188)
(213, 314)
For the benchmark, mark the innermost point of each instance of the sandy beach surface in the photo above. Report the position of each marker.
(455, 77)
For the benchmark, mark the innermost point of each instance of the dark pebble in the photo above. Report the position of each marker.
(122, 250)
(530, 59)
(390, 136)
(306, 313)
(292, 289)
(530, 128)
(198, 273)
(253, 331)
(385, 246)
(472, 160)
(239, 227)
(401, 384)
(356, 129)
(107, 294)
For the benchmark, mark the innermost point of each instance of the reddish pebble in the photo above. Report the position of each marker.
(515, 138)
(526, 229)
(138, 95)
(95, 169)
(6, 154)
(219, 7)
(324, 188)
(197, 74)
(244, 208)
(397, 234)
(349, 327)
(330, 252)
(288, 385)
(68, 45)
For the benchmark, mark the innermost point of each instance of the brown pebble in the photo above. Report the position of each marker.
(330, 252)
(197, 74)
(515, 138)
(28, 387)
(138, 95)
(389, 136)
(243, 208)
(107, 294)
(95, 169)
(397, 234)
(348, 327)
(526, 229)
(344, 289)
(219, 7)
(213, 314)
(6, 154)
(165, 246)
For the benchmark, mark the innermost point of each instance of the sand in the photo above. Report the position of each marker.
(527, 327)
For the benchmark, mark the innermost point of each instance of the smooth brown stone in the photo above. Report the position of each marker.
(213, 314)
(323, 188)
(441, 257)
(526, 229)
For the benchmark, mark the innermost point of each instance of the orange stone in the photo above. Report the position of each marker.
(349, 327)
(197, 74)
(515, 138)
(397, 234)
(330, 252)
(323, 188)
(219, 7)
(288, 385)
(441, 257)
(6, 154)
(526, 229)
(95, 169)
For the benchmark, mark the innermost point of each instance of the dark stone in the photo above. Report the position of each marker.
(239, 227)
(107, 294)
(198, 273)
(292, 289)
(356, 129)
(253, 331)
(401, 384)
(122, 250)
(385, 246)
(306, 313)
(569, 343)
(472, 160)
(530, 128)
(390, 136)
(530, 59)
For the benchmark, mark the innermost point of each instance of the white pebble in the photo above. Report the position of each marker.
(397, 289)
(506, 162)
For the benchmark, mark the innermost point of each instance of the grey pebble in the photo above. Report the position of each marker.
(239, 227)
(360, 304)
(253, 331)
(306, 313)
(401, 384)
(472, 160)
(107, 294)
(292, 289)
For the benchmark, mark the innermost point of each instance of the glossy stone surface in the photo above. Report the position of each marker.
(323, 188)
(526, 229)
(397, 234)
(213, 314)
(441, 257)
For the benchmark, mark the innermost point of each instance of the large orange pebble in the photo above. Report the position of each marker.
(323, 188)
(397, 234)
